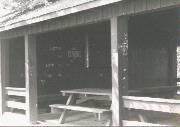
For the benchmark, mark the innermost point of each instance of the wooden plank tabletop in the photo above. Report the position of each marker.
(89, 91)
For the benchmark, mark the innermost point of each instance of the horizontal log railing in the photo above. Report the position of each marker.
(17, 105)
(16, 98)
(150, 104)
(15, 91)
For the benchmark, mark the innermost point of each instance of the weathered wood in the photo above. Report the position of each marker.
(35, 17)
(87, 50)
(119, 63)
(17, 105)
(140, 5)
(69, 101)
(31, 78)
(89, 91)
(2, 92)
(136, 123)
(123, 53)
(153, 4)
(99, 98)
(15, 91)
(79, 108)
(168, 2)
(172, 63)
(116, 98)
(99, 14)
(4, 70)
(152, 104)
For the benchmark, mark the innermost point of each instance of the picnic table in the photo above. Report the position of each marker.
(84, 95)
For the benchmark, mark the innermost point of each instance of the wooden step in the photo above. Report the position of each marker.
(79, 108)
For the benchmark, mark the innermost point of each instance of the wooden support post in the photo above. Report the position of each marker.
(119, 63)
(31, 78)
(87, 50)
(4, 70)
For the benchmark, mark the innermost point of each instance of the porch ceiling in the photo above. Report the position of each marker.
(41, 20)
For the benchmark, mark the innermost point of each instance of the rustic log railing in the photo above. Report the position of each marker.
(150, 104)
(14, 100)
(15, 91)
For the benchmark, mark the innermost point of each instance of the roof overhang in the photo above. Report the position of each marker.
(50, 12)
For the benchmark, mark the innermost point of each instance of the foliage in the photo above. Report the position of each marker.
(21, 5)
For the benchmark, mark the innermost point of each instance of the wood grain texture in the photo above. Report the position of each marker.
(153, 4)
(17, 105)
(152, 104)
(69, 101)
(165, 3)
(16, 93)
(80, 108)
(31, 78)
(4, 78)
(140, 5)
(89, 91)
(132, 123)
(119, 46)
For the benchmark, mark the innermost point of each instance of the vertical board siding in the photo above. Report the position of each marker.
(80, 19)
(153, 4)
(125, 8)
(165, 3)
(140, 5)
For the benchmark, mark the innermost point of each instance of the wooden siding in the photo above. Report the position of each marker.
(89, 16)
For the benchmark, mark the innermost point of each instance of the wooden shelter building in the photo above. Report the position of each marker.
(128, 46)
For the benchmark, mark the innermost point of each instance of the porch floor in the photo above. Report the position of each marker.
(72, 119)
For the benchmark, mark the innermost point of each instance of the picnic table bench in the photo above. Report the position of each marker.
(84, 94)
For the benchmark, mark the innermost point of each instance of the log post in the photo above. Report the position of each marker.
(119, 63)
(31, 78)
(4, 70)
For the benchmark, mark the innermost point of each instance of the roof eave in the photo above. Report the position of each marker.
(59, 13)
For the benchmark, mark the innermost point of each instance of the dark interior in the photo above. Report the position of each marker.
(152, 50)
(16, 62)
(62, 62)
